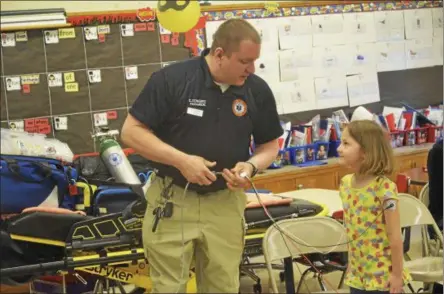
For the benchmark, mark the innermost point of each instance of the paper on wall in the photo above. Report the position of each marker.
(360, 57)
(363, 88)
(437, 51)
(328, 29)
(437, 20)
(267, 29)
(295, 32)
(329, 61)
(298, 96)
(418, 23)
(359, 27)
(331, 92)
(390, 56)
(389, 25)
(419, 53)
(295, 64)
(267, 67)
(278, 91)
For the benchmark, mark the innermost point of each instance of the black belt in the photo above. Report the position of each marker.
(201, 190)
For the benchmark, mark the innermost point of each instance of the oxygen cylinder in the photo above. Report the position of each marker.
(115, 159)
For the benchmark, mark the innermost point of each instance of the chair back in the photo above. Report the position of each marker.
(299, 236)
(413, 211)
(424, 195)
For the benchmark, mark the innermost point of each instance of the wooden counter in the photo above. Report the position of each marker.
(328, 176)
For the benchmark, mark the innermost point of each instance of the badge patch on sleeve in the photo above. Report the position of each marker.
(239, 107)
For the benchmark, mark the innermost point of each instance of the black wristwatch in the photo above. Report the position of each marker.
(255, 169)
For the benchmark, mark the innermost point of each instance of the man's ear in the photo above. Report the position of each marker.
(219, 53)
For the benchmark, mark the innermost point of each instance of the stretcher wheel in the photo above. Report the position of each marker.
(257, 288)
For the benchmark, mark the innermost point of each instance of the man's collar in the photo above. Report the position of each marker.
(208, 79)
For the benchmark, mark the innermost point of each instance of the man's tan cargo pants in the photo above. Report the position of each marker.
(205, 229)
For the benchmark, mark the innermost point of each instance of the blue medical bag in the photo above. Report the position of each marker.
(27, 181)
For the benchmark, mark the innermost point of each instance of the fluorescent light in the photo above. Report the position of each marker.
(25, 18)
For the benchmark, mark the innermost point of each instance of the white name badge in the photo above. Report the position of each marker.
(195, 112)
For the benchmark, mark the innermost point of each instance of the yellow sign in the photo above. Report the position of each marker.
(21, 36)
(69, 77)
(30, 79)
(72, 87)
(67, 33)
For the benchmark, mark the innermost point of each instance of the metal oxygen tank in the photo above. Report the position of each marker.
(114, 157)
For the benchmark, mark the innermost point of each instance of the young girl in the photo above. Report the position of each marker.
(371, 212)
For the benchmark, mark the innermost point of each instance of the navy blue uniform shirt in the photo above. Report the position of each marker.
(184, 108)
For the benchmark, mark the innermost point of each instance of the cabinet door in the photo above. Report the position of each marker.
(319, 180)
(277, 185)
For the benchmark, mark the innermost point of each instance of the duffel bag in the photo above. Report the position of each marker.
(27, 181)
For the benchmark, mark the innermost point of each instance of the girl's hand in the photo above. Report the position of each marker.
(396, 284)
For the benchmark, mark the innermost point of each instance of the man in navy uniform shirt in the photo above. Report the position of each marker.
(194, 118)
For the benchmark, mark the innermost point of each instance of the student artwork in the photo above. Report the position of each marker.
(418, 23)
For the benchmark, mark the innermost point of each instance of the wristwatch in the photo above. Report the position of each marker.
(255, 169)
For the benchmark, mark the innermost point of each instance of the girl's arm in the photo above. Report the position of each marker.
(393, 227)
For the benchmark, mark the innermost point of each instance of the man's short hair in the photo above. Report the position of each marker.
(231, 33)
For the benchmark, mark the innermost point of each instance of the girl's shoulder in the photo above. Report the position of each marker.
(346, 180)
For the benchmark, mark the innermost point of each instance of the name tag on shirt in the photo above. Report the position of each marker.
(195, 112)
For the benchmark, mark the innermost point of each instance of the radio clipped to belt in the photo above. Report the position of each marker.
(165, 209)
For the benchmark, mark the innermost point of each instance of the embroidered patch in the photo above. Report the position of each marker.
(239, 107)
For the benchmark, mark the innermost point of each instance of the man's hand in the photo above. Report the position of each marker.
(233, 178)
(196, 170)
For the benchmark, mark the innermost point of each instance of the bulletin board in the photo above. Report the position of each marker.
(296, 53)
(55, 75)
(46, 86)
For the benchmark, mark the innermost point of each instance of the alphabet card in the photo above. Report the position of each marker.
(131, 73)
(94, 76)
(127, 30)
(8, 40)
(90, 33)
(100, 119)
(55, 79)
(51, 37)
(13, 84)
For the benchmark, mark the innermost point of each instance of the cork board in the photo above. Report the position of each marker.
(74, 57)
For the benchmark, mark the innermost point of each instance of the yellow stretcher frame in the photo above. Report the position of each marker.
(131, 271)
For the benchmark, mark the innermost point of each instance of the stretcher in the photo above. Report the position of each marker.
(109, 245)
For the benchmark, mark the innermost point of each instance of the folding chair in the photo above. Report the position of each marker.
(427, 269)
(295, 237)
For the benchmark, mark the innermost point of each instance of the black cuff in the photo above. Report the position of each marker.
(255, 170)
